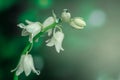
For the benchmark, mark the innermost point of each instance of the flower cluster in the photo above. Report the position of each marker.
(33, 29)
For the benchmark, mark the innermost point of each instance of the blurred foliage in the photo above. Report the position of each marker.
(5, 4)
(44, 4)
(29, 15)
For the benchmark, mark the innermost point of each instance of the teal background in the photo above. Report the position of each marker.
(89, 54)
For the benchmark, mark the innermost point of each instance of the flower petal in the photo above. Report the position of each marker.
(24, 33)
(31, 38)
(65, 15)
(77, 23)
(51, 42)
(48, 21)
(49, 32)
(19, 67)
(26, 65)
(19, 70)
(34, 28)
(59, 36)
(31, 64)
(58, 47)
(28, 22)
(21, 25)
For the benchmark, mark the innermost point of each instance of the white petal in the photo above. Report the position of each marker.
(26, 65)
(48, 21)
(49, 32)
(47, 40)
(28, 22)
(34, 28)
(31, 38)
(19, 67)
(58, 47)
(77, 23)
(31, 63)
(19, 70)
(59, 36)
(24, 33)
(65, 15)
(62, 48)
(21, 25)
(54, 15)
(51, 42)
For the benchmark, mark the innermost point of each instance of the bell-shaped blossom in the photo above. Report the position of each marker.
(56, 40)
(65, 15)
(32, 29)
(49, 21)
(77, 23)
(26, 65)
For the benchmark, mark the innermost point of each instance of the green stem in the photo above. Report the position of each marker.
(15, 77)
(29, 45)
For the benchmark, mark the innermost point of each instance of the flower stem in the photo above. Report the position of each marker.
(15, 77)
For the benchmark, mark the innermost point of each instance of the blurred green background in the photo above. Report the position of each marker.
(89, 54)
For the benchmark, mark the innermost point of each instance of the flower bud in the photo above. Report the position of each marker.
(77, 23)
(65, 15)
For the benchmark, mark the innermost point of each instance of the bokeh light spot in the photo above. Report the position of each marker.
(44, 3)
(97, 18)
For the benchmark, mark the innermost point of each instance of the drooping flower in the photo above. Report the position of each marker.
(77, 23)
(26, 64)
(47, 22)
(65, 15)
(56, 40)
(32, 29)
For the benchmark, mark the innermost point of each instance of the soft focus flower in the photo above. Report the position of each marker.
(77, 23)
(32, 29)
(65, 15)
(56, 40)
(49, 21)
(26, 64)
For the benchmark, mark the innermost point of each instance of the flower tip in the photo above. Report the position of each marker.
(38, 72)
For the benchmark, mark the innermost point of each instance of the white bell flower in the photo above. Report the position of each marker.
(65, 15)
(32, 29)
(56, 40)
(77, 23)
(47, 22)
(26, 64)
